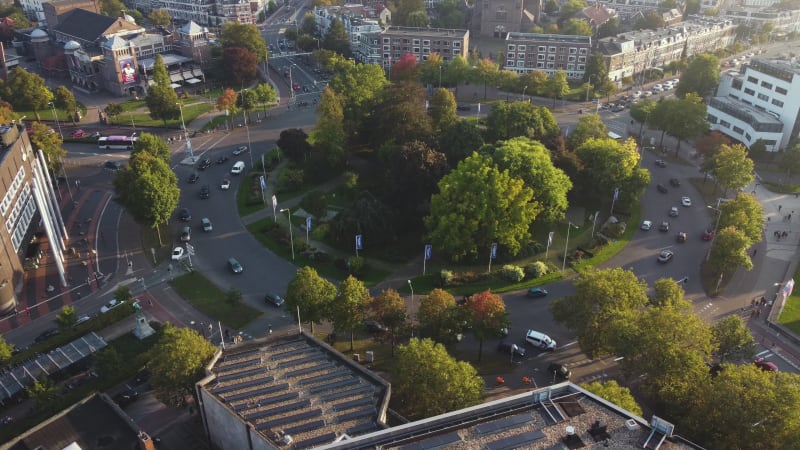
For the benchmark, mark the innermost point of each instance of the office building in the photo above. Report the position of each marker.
(528, 52)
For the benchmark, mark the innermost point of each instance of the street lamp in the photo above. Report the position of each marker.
(55, 117)
(291, 236)
(186, 134)
(412, 306)
(716, 226)
(247, 129)
(523, 92)
(589, 84)
(570, 225)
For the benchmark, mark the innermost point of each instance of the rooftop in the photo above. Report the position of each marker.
(743, 111)
(413, 31)
(540, 37)
(297, 386)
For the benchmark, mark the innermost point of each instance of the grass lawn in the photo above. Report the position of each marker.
(150, 241)
(143, 119)
(790, 316)
(246, 199)
(210, 300)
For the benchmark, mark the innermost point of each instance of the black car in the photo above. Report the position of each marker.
(661, 188)
(222, 159)
(185, 215)
(674, 182)
(664, 226)
(373, 326)
(205, 192)
(125, 398)
(274, 299)
(464, 107)
(511, 349)
(193, 178)
(661, 163)
(47, 334)
(204, 164)
(113, 165)
(559, 370)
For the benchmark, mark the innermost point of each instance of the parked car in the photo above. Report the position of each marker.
(206, 224)
(661, 188)
(619, 107)
(646, 225)
(664, 226)
(77, 134)
(113, 165)
(708, 234)
(559, 370)
(96, 135)
(225, 185)
(45, 335)
(661, 163)
(234, 265)
(81, 319)
(177, 253)
(766, 366)
(464, 107)
(540, 340)
(373, 326)
(665, 256)
(205, 192)
(511, 349)
(185, 215)
(274, 299)
(126, 397)
(204, 164)
(110, 305)
(186, 234)
(536, 292)
(193, 178)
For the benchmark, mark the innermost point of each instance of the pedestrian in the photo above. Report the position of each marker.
(753, 313)
(753, 302)
(758, 312)
(500, 381)
(150, 302)
(754, 252)
(779, 208)
(526, 380)
(763, 300)
(785, 233)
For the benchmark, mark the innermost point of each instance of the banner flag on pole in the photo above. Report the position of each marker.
(263, 183)
(550, 238)
(428, 248)
(358, 242)
(479, 107)
(308, 223)
(494, 250)
(616, 194)
(274, 202)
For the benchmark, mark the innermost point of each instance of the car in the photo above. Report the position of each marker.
(646, 94)
(81, 319)
(511, 349)
(225, 185)
(234, 265)
(661, 188)
(668, 86)
(204, 164)
(766, 366)
(536, 292)
(193, 178)
(126, 397)
(540, 340)
(186, 234)
(177, 253)
(464, 107)
(637, 94)
(77, 134)
(646, 225)
(657, 90)
(619, 107)
(681, 237)
(708, 234)
(113, 165)
(96, 135)
(185, 215)
(206, 224)
(674, 182)
(665, 256)
(673, 212)
(686, 201)
(110, 305)
(205, 192)
(238, 167)
(664, 226)
(559, 371)
(45, 335)
(240, 150)
(274, 299)
(373, 326)
(222, 159)
(661, 163)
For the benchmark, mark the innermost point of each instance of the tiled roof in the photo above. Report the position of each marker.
(85, 25)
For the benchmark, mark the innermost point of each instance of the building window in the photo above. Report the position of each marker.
(582, 59)
(749, 138)
(780, 90)
(511, 47)
(581, 67)
(541, 49)
(509, 63)
(749, 91)
(766, 85)
(777, 103)
(561, 57)
(521, 55)
(725, 124)
(738, 130)
(540, 65)
(540, 57)
(753, 80)
(509, 55)
(763, 97)
(551, 49)
(500, 16)
(770, 142)
(549, 65)
(711, 119)
(457, 44)
(583, 51)
(571, 59)
(551, 57)
(520, 63)
(570, 66)
(386, 48)
(521, 48)
(573, 50)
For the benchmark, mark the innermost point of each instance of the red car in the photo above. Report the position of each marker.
(708, 235)
(77, 133)
(765, 365)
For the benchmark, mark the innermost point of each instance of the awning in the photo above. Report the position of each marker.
(193, 81)
(174, 85)
(175, 77)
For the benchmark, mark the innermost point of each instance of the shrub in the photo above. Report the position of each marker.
(615, 230)
(536, 269)
(315, 202)
(320, 232)
(446, 277)
(290, 179)
(357, 265)
(512, 273)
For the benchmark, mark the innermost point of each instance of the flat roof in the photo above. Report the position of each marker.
(549, 37)
(738, 105)
(412, 31)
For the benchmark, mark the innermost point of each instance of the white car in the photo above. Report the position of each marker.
(686, 201)
(636, 94)
(646, 94)
(226, 184)
(646, 225)
(177, 253)
(206, 224)
(81, 319)
(673, 212)
(109, 306)
(240, 150)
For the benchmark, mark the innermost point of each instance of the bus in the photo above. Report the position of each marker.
(116, 142)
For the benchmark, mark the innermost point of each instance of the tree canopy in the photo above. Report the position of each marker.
(589, 126)
(487, 317)
(701, 77)
(746, 214)
(730, 251)
(27, 91)
(43, 137)
(610, 165)
(437, 317)
(349, 307)
(161, 99)
(732, 168)
(613, 392)
(177, 362)
(246, 36)
(154, 145)
(311, 294)
(510, 120)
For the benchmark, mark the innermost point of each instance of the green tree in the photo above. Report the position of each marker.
(311, 295)
(328, 137)
(551, 7)
(265, 93)
(113, 109)
(486, 72)
(108, 363)
(337, 39)
(611, 27)
(442, 109)
(427, 381)
(240, 65)
(589, 126)
(43, 137)
(601, 299)
(708, 144)
(610, 165)
(596, 69)
(359, 85)
(732, 168)
(112, 8)
(577, 27)
(457, 71)
(431, 71)
(123, 294)
(557, 85)
(730, 251)
(154, 145)
(667, 292)
(64, 100)
(733, 339)
(7, 113)
(160, 17)
(247, 36)
(417, 19)
(177, 362)
(531, 162)
(67, 317)
(309, 25)
(570, 8)
(746, 214)
(389, 309)
(651, 20)
(510, 120)
(791, 159)
(404, 9)
(700, 77)
(641, 113)
(43, 393)
(476, 205)
(437, 317)
(459, 140)
(448, 15)
(686, 118)
(399, 116)
(487, 317)
(6, 350)
(161, 99)
(412, 173)
(349, 308)
(613, 392)
(27, 91)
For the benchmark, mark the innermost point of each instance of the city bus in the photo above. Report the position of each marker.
(116, 142)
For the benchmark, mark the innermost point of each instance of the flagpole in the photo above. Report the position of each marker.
(549, 243)
(595, 219)
(424, 260)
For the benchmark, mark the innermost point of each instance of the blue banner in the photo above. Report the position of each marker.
(358, 242)
(494, 250)
(308, 223)
(428, 248)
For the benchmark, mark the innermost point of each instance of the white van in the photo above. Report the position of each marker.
(237, 168)
(540, 340)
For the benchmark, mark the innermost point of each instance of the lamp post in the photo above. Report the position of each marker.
(566, 245)
(589, 84)
(55, 117)
(441, 66)
(410, 286)
(247, 129)
(291, 236)
(523, 92)
(716, 226)
(186, 134)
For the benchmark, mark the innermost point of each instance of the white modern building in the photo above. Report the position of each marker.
(786, 21)
(760, 102)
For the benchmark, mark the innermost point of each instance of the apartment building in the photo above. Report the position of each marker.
(396, 42)
(357, 20)
(785, 21)
(760, 102)
(528, 52)
(631, 53)
(210, 13)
